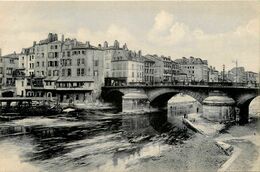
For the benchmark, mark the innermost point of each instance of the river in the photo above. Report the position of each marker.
(92, 141)
(102, 141)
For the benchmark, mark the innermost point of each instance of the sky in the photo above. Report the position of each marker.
(220, 32)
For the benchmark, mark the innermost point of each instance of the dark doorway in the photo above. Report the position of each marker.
(8, 94)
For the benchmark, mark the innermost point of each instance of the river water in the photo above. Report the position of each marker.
(90, 141)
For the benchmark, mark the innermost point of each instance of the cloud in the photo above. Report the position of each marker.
(168, 35)
(178, 39)
(166, 31)
(251, 28)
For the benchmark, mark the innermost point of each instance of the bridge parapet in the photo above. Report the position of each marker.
(158, 95)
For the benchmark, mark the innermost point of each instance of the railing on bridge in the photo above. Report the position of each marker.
(219, 84)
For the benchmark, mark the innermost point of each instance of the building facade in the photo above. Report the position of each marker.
(129, 65)
(8, 65)
(213, 74)
(149, 65)
(195, 68)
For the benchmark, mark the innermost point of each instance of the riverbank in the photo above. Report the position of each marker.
(247, 139)
(197, 154)
(200, 153)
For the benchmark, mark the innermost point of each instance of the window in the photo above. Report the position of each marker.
(56, 46)
(82, 61)
(42, 64)
(78, 72)
(82, 72)
(96, 62)
(77, 97)
(83, 52)
(38, 64)
(78, 62)
(56, 54)
(69, 72)
(42, 73)
(63, 72)
(68, 53)
(55, 63)
(22, 83)
(55, 73)
(133, 74)
(49, 73)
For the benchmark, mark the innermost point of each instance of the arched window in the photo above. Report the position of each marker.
(49, 94)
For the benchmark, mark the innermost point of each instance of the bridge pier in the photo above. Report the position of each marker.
(219, 107)
(135, 102)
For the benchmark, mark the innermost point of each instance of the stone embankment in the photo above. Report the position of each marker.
(241, 143)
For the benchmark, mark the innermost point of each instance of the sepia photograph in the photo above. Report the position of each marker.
(129, 86)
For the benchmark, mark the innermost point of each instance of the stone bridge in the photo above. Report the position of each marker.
(158, 96)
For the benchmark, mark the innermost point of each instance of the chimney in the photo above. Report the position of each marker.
(0, 52)
(99, 45)
(62, 38)
(87, 44)
(125, 47)
(116, 44)
(55, 37)
(139, 53)
(74, 42)
(105, 44)
(34, 43)
(50, 37)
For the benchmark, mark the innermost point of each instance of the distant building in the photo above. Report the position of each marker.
(128, 65)
(251, 77)
(27, 61)
(195, 68)
(149, 67)
(8, 64)
(213, 74)
(158, 67)
(237, 75)
(167, 69)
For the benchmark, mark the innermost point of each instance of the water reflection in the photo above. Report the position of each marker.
(143, 124)
(93, 140)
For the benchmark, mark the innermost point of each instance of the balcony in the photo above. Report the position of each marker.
(75, 88)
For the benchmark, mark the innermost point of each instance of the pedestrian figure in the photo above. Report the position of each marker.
(185, 116)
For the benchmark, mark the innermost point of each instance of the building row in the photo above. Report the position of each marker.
(68, 70)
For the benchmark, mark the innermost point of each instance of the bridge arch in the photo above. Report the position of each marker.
(113, 96)
(160, 97)
(254, 107)
(243, 103)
